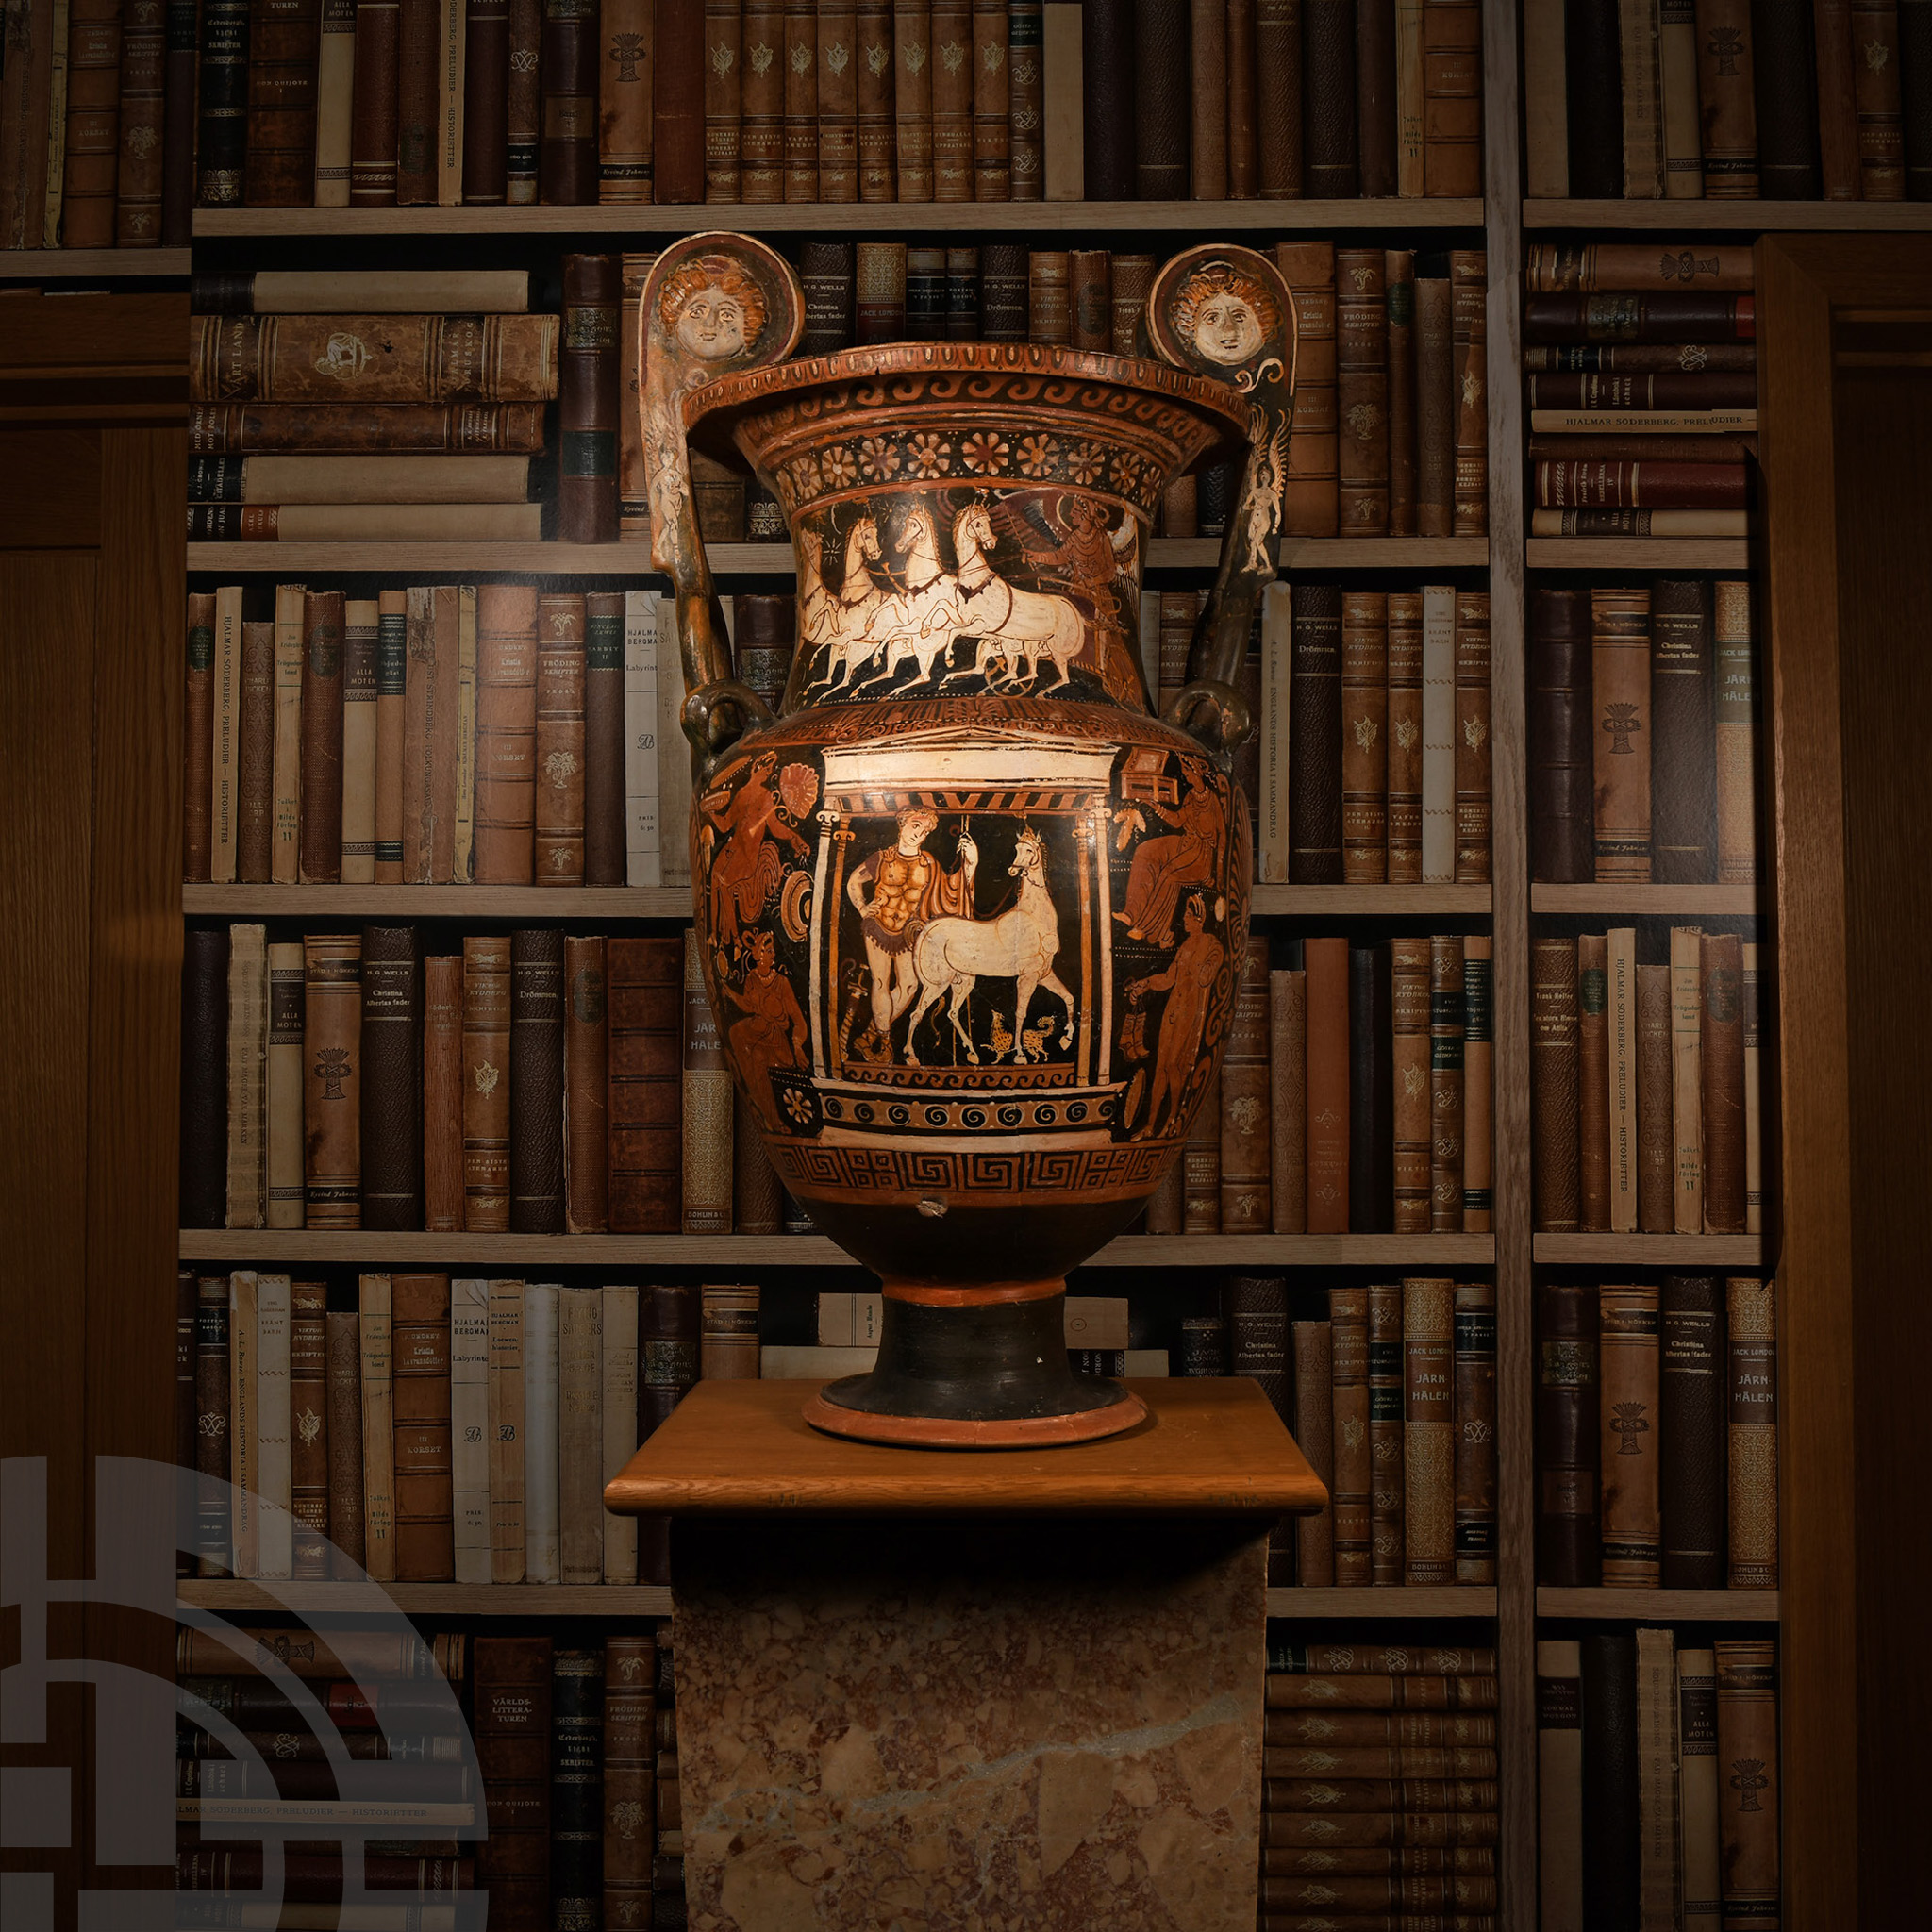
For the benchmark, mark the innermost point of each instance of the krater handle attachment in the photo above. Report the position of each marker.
(713, 305)
(1224, 314)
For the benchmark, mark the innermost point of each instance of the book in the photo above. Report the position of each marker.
(1361, 337)
(1315, 718)
(374, 1311)
(1245, 1207)
(1656, 1139)
(536, 1081)
(342, 1432)
(645, 1001)
(1445, 1084)
(1700, 1885)
(1593, 1082)
(1469, 373)
(1621, 703)
(392, 1117)
(332, 1029)
(487, 1084)
(247, 1074)
(358, 829)
(706, 1107)
(1325, 1057)
(1311, 502)
(1470, 725)
(1751, 990)
(1751, 1450)
(511, 1728)
(630, 1674)
(542, 1553)
(1429, 1432)
(557, 742)
(1405, 736)
(1656, 1776)
(391, 358)
(1747, 1752)
(1734, 733)
(1560, 1745)
(1568, 1420)
(580, 1433)
(729, 1348)
(642, 857)
(505, 1412)
(1691, 1444)
(290, 678)
(506, 734)
(1610, 1789)
(419, 1395)
(1687, 1080)
(1554, 1074)
(576, 1784)
(469, 1429)
(1622, 1127)
(1287, 1112)
(618, 1363)
(445, 1080)
(1314, 1423)
(254, 834)
(1479, 1074)
(1364, 737)
(1370, 1096)
(1630, 1520)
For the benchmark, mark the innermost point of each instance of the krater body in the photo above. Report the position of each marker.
(971, 914)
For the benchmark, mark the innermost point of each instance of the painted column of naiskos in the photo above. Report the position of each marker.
(972, 914)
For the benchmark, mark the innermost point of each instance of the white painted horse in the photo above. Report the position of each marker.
(952, 955)
(841, 624)
(1023, 626)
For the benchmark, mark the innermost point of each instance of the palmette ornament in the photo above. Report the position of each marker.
(972, 916)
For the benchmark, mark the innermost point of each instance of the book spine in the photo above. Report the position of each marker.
(1735, 734)
(1387, 1464)
(576, 1786)
(1330, 168)
(1439, 735)
(1469, 366)
(1315, 726)
(630, 1675)
(1545, 101)
(1837, 102)
(1287, 1114)
(567, 145)
(93, 125)
(1701, 1890)
(1375, 96)
(284, 39)
(1725, 58)
(1428, 1514)
(1568, 1424)
(1553, 1068)
(587, 401)
(505, 1397)
(1691, 1446)
(646, 979)
(1311, 502)
(1593, 1082)
(586, 1085)
(1747, 1753)
(1451, 97)
(536, 1082)
(1109, 158)
(1371, 1120)
(993, 173)
(332, 1049)
(505, 733)
(1915, 86)
(706, 1194)
(643, 860)
(623, 96)
(1473, 737)
(557, 843)
(729, 1338)
(542, 1553)
(1610, 1789)
(186, 1299)
(1165, 174)
(618, 1427)
(1475, 1416)
(379, 1429)
(419, 99)
(802, 78)
(1751, 989)
(512, 1732)
(290, 673)
(1621, 1138)
(1353, 1512)
(247, 1071)
(1686, 1080)
(273, 1480)
(343, 1370)
(1643, 95)
(1405, 736)
(1410, 1069)
(1721, 1072)
(1364, 737)
(1361, 338)
(1398, 277)
(1632, 1524)
(391, 1121)
(145, 26)
(1445, 1084)
(913, 97)
(1314, 1426)
(420, 1392)
(469, 1416)
(1026, 43)
(335, 86)
(487, 1088)
(445, 1084)
(1478, 1066)
(484, 144)
(212, 1530)
(1437, 407)
(1326, 1058)
(223, 116)
(374, 137)
(1751, 1444)
(723, 102)
(203, 1131)
(1655, 1143)
(1279, 99)
(358, 823)
(245, 1421)
(580, 1433)
(1245, 1207)
(1657, 1774)
(1682, 773)
(1049, 298)
(323, 358)
(198, 733)
(1200, 1165)
(1559, 1786)
(391, 661)
(1620, 690)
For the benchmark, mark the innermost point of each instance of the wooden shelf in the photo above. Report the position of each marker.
(205, 901)
(1472, 1600)
(1712, 902)
(775, 559)
(1689, 1605)
(91, 264)
(1651, 1250)
(436, 1599)
(1739, 217)
(1612, 553)
(324, 1246)
(856, 218)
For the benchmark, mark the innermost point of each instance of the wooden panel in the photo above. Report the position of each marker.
(1652, 1250)
(1638, 552)
(92, 264)
(1210, 1446)
(1465, 1600)
(50, 490)
(1728, 217)
(440, 1599)
(1607, 901)
(1665, 1606)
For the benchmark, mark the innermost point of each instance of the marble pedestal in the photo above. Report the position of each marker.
(920, 1691)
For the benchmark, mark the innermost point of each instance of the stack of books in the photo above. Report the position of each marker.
(1640, 380)
(1657, 1434)
(374, 407)
(1645, 1083)
(1725, 100)
(1657, 1780)
(1378, 1802)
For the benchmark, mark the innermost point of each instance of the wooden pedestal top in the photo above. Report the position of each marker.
(1209, 1446)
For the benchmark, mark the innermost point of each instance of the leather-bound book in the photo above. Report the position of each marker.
(1751, 1435)
(1436, 406)
(1619, 698)
(837, 101)
(1398, 279)
(143, 91)
(630, 1676)
(1786, 100)
(504, 1408)
(1364, 737)
(587, 1085)
(524, 103)
(198, 736)
(1469, 363)
(1445, 1084)
(1288, 1190)
(1374, 96)
(879, 292)
(1330, 167)
(728, 1346)
(486, 101)
(1559, 1783)
(1686, 1080)
(255, 794)
(1387, 1480)
(993, 170)
(827, 271)
(1090, 299)
(668, 1362)
(1691, 1427)
(1428, 1412)
(511, 1679)
(332, 1080)
(1451, 97)
(1620, 999)
(1473, 737)
(1656, 1146)
(761, 108)
(418, 92)
(576, 1786)
(1839, 98)
(1245, 1208)
(212, 1529)
(1405, 738)
(1050, 297)
(962, 296)
(536, 1082)
(1701, 1882)
(1747, 1752)
(603, 745)
(542, 1558)
(308, 1428)
(1027, 63)
(913, 97)
(557, 843)
(1736, 734)
(377, 1406)
(1278, 98)
(288, 358)
(1753, 989)
(925, 294)
(873, 57)
(176, 125)
(445, 1084)
(1553, 1065)
(222, 115)
(1410, 1083)
(186, 1302)
(1728, 112)
(1438, 733)
(392, 1064)
(487, 1084)
(1315, 729)
(505, 733)
(468, 1428)
(321, 738)
(1630, 1520)
(1003, 272)
(1610, 1808)
(1644, 129)
(1476, 1431)
(91, 116)
(626, 37)
(1562, 743)
(1314, 1432)
(358, 740)
(1657, 1777)
(1362, 333)
(1159, 67)
(247, 1058)
(334, 84)
(580, 1434)
(762, 644)
(1721, 1068)
(677, 105)
(204, 1077)
(1350, 1504)
(1593, 1082)
(587, 398)
(1478, 1077)
(646, 979)
(724, 101)
(1592, 56)
(801, 101)
(1326, 1058)
(1370, 1093)
(1255, 1308)
(1201, 1166)
(342, 1392)
(1109, 130)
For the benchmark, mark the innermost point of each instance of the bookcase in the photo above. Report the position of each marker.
(1516, 1610)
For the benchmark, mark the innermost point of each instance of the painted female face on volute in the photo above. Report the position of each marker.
(1226, 314)
(713, 308)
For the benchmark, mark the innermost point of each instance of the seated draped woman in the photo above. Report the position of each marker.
(1166, 867)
